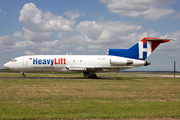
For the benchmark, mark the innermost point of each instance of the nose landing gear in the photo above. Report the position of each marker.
(23, 75)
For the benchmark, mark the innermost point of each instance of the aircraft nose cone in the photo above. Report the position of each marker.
(7, 65)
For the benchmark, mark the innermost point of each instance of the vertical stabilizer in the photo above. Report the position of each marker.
(140, 50)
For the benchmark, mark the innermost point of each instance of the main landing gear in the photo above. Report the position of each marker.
(90, 75)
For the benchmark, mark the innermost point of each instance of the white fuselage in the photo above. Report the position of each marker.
(72, 63)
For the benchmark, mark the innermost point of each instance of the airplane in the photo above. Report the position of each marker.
(115, 60)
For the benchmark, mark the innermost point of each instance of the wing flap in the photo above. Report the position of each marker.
(76, 69)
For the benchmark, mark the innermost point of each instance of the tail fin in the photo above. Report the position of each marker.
(140, 50)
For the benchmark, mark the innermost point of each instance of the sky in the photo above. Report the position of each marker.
(89, 27)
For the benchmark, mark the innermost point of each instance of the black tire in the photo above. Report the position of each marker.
(23, 76)
(94, 76)
(86, 74)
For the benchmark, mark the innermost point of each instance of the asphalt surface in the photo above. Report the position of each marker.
(105, 78)
(154, 75)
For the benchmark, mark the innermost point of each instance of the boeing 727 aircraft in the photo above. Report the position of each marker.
(117, 59)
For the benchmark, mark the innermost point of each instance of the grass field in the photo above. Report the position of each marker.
(122, 97)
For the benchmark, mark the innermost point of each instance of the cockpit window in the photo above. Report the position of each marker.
(13, 60)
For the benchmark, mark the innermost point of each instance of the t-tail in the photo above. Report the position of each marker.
(140, 50)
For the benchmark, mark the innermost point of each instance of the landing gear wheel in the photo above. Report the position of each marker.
(90, 75)
(94, 76)
(86, 74)
(23, 76)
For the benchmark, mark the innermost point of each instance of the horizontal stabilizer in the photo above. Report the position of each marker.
(159, 39)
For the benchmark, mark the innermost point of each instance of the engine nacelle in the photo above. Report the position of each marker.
(120, 62)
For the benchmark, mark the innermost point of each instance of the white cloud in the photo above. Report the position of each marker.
(91, 35)
(37, 21)
(177, 16)
(36, 36)
(28, 53)
(93, 51)
(17, 34)
(29, 41)
(7, 40)
(148, 9)
(10, 43)
(173, 45)
(73, 14)
(175, 35)
(25, 45)
(38, 32)
(94, 46)
(80, 48)
(44, 50)
(100, 18)
(105, 32)
(97, 36)
(55, 46)
(59, 35)
(51, 44)
(90, 28)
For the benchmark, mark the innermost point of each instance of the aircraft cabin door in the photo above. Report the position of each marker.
(25, 61)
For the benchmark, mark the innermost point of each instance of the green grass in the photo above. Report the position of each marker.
(122, 97)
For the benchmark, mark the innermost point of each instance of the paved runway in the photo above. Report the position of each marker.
(105, 78)
(155, 75)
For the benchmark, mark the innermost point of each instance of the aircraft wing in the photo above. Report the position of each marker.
(97, 68)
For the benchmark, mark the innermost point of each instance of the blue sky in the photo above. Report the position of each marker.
(30, 27)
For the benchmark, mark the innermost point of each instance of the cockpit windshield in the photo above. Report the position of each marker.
(13, 60)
